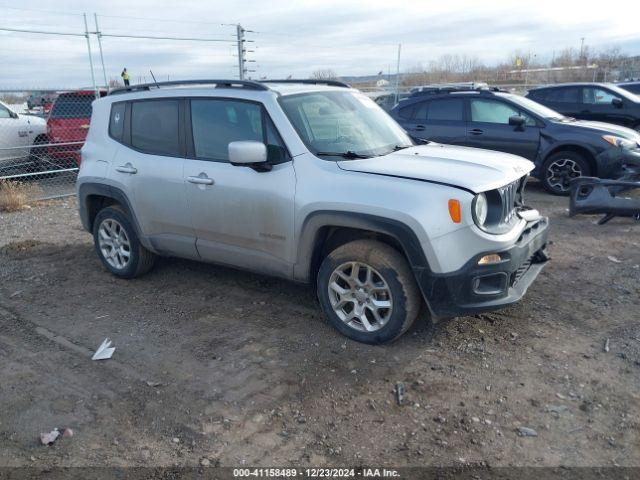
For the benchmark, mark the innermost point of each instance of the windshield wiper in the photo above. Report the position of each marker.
(401, 147)
(349, 154)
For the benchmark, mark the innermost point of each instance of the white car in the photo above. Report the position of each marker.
(18, 133)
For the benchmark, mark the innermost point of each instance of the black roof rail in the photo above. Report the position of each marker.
(248, 84)
(481, 88)
(310, 81)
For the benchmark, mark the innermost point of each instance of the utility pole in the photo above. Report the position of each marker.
(241, 51)
(99, 35)
(86, 34)
(398, 73)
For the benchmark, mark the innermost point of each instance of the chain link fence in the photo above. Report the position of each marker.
(41, 134)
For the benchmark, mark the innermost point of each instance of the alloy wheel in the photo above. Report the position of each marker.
(114, 243)
(360, 296)
(561, 171)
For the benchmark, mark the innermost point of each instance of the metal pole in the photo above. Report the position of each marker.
(398, 74)
(99, 35)
(240, 36)
(86, 34)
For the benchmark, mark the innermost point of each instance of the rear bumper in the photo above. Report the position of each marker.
(478, 288)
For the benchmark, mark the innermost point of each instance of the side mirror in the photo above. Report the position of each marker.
(616, 102)
(249, 153)
(517, 121)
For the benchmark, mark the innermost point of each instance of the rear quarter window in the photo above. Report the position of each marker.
(116, 121)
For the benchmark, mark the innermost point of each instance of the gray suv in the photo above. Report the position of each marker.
(312, 182)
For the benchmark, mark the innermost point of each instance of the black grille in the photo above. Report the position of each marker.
(522, 269)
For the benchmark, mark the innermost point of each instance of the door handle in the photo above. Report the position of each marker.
(476, 131)
(420, 128)
(201, 179)
(127, 168)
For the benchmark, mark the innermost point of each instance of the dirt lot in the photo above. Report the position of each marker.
(240, 369)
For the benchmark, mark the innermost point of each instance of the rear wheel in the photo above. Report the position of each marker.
(368, 292)
(118, 245)
(560, 168)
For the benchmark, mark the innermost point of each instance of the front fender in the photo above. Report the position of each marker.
(314, 222)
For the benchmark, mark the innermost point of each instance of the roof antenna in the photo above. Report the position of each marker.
(154, 78)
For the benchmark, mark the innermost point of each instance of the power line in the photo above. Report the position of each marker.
(21, 30)
(189, 39)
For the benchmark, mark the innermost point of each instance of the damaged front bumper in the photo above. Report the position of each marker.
(592, 195)
(478, 288)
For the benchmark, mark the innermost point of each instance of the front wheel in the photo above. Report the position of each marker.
(560, 168)
(118, 245)
(368, 292)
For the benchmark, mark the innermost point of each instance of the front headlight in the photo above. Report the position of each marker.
(620, 142)
(480, 209)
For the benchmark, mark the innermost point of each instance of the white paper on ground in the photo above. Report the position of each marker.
(105, 350)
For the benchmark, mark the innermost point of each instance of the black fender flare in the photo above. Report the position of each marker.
(314, 222)
(85, 190)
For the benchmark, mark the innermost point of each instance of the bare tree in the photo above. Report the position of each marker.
(324, 74)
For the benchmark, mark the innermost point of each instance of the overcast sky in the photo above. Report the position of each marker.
(293, 38)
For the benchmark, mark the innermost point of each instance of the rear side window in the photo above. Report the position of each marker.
(562, 95)
(445, 110)
(406, 112)
(69, 105)
(216, 123)
(116, 121)
(154, 127)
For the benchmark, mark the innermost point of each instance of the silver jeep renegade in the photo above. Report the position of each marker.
(313, 182)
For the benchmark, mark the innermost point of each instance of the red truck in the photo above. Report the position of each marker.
(68, 124)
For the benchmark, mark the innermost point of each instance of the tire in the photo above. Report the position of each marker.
(38, 155)
(559, 168)
(118, 228)
(391, 281)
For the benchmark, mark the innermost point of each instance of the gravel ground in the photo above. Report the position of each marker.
(221, 367)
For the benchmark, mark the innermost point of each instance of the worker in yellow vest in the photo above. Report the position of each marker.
(125, 77)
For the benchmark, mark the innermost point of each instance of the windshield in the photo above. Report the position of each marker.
(343, 123)
(536, 108)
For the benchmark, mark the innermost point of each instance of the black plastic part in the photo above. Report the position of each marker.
(477, 288)
(248, 84)
(592, 195)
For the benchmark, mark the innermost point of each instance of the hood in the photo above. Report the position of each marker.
(34, 120)
(473, 169)
(603, 128)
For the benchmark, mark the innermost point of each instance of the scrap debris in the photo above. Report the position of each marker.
(105, 350)
(50, 437)
(606, 345)
(400, 391)
(527, 432)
